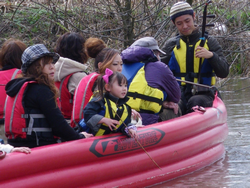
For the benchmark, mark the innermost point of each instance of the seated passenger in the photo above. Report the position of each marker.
(36, 119)
(10, 65)
(104, 58)
(70, 68)
(151, 83)
(107, 112)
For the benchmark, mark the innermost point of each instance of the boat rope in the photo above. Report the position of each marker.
(139, 142)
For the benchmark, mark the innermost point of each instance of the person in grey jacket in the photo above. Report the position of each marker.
(70, 68)
(183, 54)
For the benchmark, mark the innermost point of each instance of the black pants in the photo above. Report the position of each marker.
(204, 100)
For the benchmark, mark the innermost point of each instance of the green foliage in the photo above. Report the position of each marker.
(231, 15)
(119, 25)
(245, 17)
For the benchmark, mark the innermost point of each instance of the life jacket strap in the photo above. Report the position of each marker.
(106, 129)
(38, 129)
(31, 123)
(144, 97)
(15, 73)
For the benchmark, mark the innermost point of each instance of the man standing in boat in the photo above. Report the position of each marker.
(183, 53)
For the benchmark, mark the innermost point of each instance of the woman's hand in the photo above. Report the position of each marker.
(87, 135)
(111, 123)
(22, 150)
(135, 115)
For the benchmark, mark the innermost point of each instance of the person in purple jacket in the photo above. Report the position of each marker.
(152, 87)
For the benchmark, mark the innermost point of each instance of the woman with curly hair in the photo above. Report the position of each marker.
(33, 117)
(70, 68)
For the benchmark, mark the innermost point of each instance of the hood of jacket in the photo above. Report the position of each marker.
(134, 54)
(193, 37)
(13, 86)
(66, 66)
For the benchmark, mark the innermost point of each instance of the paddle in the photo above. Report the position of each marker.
(192, 83)
(203, 38)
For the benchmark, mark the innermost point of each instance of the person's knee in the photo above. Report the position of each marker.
(199, 100)
(168, 114)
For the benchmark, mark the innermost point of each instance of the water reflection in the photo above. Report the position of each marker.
(238, 141)
(215, 175)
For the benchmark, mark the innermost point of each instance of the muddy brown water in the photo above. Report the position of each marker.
(233, 171)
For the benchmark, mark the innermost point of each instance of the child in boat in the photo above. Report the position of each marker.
(9, 149)
(32, 116)
(107, 112)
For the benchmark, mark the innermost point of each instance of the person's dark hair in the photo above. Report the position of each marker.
(121, 79)
(11, 53)
(96, 48)
(71, 45)
(35, 71)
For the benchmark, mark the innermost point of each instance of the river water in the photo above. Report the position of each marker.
(233, 171)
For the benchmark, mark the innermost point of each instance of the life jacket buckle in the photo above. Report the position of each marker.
(25, 116)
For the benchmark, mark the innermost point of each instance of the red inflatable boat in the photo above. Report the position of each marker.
(179, 146)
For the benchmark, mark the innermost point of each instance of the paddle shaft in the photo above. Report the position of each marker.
(203, 35)
(192, 83)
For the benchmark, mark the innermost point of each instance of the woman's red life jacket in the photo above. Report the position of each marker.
(6, 76)
(82, 95)
(66, 98)
(15, 117)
